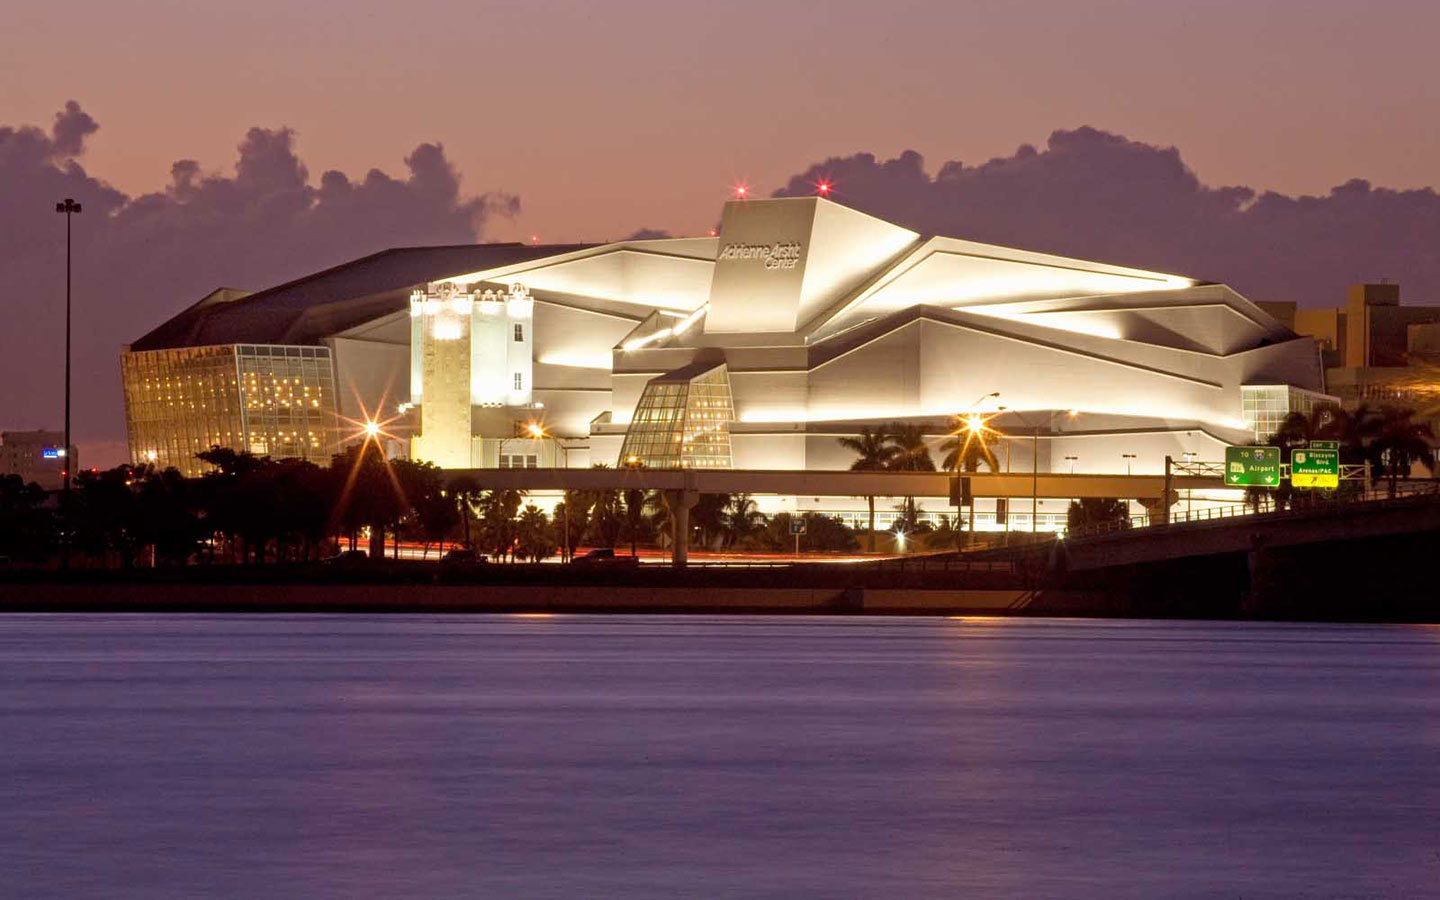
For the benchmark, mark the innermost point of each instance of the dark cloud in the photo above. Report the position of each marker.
(138, 260)
(72, 126)
(648, 234)
(1101, 196)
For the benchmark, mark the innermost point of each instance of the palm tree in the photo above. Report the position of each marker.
(607, 518)
(534, 536)
(708, 515)
(661, 520)
(1399, 443)
(634, 516)
(911, 455)
(464, 490)
(742, 518)
(911, 452)
(874, 451)
(497, 521)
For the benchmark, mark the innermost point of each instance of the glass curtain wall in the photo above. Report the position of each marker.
(271, 400)
(682, 423)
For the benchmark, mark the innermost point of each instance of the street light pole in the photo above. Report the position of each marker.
(68, 208)
(1034, 477)
(1034, 467)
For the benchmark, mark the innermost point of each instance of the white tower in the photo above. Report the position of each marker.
(467, 349)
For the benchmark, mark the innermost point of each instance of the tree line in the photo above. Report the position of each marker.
(1387, 439)
(253, 509)
(899, 447)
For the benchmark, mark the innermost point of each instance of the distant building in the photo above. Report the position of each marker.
(37, 456)
(1377, 351)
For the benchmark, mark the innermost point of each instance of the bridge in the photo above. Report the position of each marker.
(1363, 548)
(684, 486)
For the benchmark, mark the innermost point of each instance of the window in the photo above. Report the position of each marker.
(519, 380)
(519, 333)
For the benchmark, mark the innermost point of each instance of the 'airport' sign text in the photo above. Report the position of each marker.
(1252, 467)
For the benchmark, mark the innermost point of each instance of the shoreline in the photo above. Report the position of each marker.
(514, 595)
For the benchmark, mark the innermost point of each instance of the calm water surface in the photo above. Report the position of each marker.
(622, 757)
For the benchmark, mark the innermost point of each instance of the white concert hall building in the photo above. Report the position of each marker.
(801, 322)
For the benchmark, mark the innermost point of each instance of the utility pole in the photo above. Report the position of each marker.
(68, 208)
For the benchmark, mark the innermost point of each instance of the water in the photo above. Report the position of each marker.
(624, 757)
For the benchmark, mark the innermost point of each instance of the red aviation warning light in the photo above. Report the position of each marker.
(742, 191)
(823, 188)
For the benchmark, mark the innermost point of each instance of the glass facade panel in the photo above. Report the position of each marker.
(272, 400)
(1266, 406)
(682, 424)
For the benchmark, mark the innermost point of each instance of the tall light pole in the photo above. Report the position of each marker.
(1129, 458)
(68, 208)
(1034, 467)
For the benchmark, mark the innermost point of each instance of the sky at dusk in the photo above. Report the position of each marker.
(608, 116)
(1181, 136)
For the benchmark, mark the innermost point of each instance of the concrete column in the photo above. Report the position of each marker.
(1165, 495)
(680, 503)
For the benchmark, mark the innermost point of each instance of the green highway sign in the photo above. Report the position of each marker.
(1325, 445)
(1312, 468)
(1252, 466)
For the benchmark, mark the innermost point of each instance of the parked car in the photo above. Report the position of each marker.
(346, 558)
(462, 556)
(604, 556)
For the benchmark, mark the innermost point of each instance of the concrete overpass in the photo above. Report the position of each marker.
(837, 483)
(686, 485)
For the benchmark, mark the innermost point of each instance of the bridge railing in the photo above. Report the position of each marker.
(1307, 502)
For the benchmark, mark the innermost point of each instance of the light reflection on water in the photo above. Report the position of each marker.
(583, 756)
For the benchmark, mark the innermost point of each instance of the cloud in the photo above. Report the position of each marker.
(648, 234)
(139, 260)
(1098, 195)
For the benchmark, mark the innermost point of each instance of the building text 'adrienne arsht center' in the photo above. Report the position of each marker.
(801, 322)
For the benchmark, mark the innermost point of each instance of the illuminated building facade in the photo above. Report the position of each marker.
(682, 421)
(800, 322)
(1267, 405)
(469, 351)
(270, 400)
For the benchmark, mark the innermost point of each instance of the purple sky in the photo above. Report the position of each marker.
(588, 121)
(607, 116)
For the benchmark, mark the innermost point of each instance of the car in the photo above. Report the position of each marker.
(462, 556)
(347, 558)
(604, 556)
